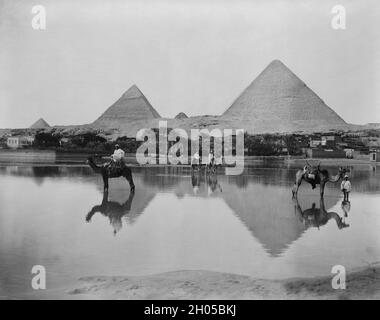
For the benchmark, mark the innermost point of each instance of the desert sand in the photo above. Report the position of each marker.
(360, 284)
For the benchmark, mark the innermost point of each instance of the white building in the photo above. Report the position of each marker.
(16, 142)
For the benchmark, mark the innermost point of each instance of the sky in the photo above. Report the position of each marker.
(185, 56)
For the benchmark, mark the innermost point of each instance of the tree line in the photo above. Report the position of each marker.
(255, 145)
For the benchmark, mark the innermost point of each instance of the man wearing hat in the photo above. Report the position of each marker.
(117, 158)
(345, 187)
(118, 154)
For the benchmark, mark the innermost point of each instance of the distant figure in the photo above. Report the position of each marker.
(211, 162)
(195, 161)
(211, 158)
(345, 187)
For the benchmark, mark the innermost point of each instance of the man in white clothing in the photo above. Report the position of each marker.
(117, 158)
(118, 154)
(345, 187)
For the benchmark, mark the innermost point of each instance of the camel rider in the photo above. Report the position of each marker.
(118, 156)
(211, 158)
(195, 160)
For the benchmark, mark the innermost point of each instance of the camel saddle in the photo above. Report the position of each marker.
(115, 168)
(311, 172)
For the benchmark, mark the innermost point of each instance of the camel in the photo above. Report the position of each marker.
(315, 217)
(108, 173)
(322, 176)
(113, 210)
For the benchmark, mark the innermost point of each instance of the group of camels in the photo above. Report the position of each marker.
(320, 176)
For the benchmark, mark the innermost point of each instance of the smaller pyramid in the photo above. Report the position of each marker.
(181, 115)
(40, 124)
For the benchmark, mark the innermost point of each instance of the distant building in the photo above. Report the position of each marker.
(328, 141)
(63, 141)
(374, 125)
(315, 143)
(349, 153)
(374, 156)
(16, 142)
(325, 153)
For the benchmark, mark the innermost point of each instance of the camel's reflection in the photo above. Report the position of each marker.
(213, 184)
(317, 217)
(113, 210)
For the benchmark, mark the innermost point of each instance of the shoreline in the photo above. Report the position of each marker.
(363, 283)
(49, 158)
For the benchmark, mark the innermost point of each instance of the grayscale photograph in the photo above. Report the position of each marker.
(189, 150)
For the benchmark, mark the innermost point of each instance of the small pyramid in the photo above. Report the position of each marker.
(277, 95)
(131, 106)
(40, 124)
(181, 115)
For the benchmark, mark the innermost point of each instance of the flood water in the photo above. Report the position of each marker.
(58, 217)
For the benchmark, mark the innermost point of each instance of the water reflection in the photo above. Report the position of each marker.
(366, 178)
(205, 183)
(318, 217)
(112, 210)
(213, 184)
(196, 181)
(177, 220)
(346, 207)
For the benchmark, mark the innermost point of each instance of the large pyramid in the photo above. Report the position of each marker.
(132, 106)
(40, 124)
(278, 96)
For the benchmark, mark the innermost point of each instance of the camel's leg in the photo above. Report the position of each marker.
(322, 188)
(128, 176)
(296, 186)
(105, 181)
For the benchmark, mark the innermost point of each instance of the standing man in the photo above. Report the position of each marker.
(345, 187)
(211, 160)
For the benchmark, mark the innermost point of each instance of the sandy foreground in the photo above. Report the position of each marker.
(361, 284)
